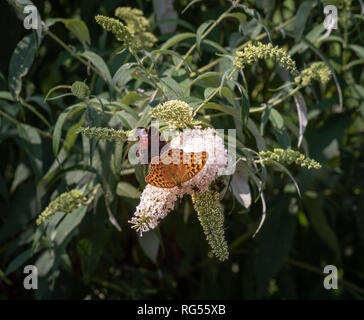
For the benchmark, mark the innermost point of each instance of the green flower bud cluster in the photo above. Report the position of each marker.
(178, 114)
(253, 53)
(317, 71)
(288, 156)
(120, 30)
(133, 18)
(104, 133)
(66, 202)
(145, 40)
(211, 217)
(80, 90)
(134, 32)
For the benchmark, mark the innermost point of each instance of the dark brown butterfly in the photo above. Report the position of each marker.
(150, 144)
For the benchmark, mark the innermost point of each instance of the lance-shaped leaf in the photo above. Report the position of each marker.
(240, 185)
(302, 115)
(20, 63)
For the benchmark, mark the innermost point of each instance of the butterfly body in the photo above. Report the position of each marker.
(175, 167)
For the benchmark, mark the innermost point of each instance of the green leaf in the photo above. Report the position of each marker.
(30, 140)
(150, 244)
(208, 91)
(280, 130)
(69, 223)
(190, 5)
(127, 120)
(131, 97)
(120, 106)
(123, 75)
(127, 190)
(20, 63)
(200, 31)
(228, 95)
(302, 115)
(258, 137)
(78, 28)
(144, 120)
(215, 45)
(285, 170)
(62, 86)
(71, 135)
(358, 50)
(208, 79)
(140, 172)
(18, 261)
(45, 262)
(245, 107)
(228, 110)
(176, 39)
(172, 88)
(240, 185)
(301, 17)
(237, 15)
(312, 36)
(92, 119)
(57, 133)
(37, 236)
(6, 95)
(175, 56)
(58, 130)
(100, 65)
(22, 173)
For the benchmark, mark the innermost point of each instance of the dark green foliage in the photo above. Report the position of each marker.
(92, 252)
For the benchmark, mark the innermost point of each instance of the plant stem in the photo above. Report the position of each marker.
(204, 35)
(150, 77)
(32, 109)
(291, 93)
(212, 94)
(62, 44)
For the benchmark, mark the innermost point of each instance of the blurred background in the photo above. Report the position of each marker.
(300, 236)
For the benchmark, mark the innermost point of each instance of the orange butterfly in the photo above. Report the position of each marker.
(174, 167)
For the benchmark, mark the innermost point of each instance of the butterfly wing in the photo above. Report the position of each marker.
(174, 167)
(162, 173)
(192, 164)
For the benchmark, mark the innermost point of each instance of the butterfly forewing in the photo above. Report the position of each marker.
(174, 167)
(193, 162)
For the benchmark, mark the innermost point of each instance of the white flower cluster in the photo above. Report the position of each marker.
(156, 203)
(198, 140)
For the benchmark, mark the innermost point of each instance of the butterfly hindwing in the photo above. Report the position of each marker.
(174, 167)
(160, 176)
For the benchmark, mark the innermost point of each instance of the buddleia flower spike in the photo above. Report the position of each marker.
(168, 182)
